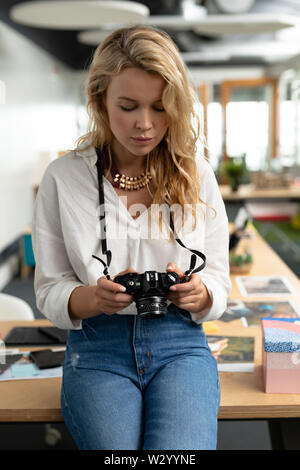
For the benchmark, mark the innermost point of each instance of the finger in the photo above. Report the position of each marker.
(194, 284)
(190, 308)
(182, 300)
(111, 306)
(116, 297)
(117, 308)
(176, 298)
(174, 268)
(112, 309)
(110, 286)
(187, 287)
(190, 300)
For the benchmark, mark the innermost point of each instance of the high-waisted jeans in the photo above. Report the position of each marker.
(132, 383)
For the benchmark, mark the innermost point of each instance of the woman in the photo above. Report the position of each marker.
(131, 382)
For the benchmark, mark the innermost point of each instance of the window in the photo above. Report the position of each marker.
(250, 120)
(240, 117)
(289, 118)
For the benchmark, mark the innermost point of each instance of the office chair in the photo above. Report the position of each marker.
(13, 308)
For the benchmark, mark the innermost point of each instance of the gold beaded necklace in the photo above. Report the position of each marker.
(128, 183)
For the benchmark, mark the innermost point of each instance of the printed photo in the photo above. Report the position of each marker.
(264, 285)
(233, 353)
(251, 312)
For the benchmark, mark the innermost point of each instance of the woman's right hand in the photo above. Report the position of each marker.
(110, 297)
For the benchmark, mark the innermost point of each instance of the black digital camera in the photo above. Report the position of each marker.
(149, 291)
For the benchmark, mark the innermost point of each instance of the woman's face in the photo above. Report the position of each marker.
(136, 115)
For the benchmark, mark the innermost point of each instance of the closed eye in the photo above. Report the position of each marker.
(124, 108)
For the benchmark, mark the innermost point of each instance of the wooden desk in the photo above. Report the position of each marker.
(242, 394)
(249, 192)
(29, 400)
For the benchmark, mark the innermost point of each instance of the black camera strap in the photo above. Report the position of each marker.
(105, 251)
(108, 253)
(196, 253)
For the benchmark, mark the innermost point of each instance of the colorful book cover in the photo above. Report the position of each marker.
(281, 334)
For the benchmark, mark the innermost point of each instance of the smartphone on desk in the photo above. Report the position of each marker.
(46, 358)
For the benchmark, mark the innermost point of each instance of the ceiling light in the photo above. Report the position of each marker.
(218, 24)
(268, 51)
(251, 23)
(77, 14)
(211, 25)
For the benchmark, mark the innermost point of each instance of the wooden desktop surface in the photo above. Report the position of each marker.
(248, 192)
(242, 394)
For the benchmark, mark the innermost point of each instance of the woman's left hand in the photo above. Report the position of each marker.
(192, 295)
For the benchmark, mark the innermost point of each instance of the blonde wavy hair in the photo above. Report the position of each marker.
(172, 163)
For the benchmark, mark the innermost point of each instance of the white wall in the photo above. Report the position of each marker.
(38, 113)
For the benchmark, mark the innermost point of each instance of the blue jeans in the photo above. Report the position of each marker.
(132, 383)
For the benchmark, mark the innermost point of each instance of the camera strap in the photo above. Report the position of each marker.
(105, 251)
(108, 253)
(196, 253)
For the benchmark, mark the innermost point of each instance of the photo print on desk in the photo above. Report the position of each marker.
(233, 353)
(264, 285)
(20, 367)
(251, 312)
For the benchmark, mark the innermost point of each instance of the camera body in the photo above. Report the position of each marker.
(149, 291)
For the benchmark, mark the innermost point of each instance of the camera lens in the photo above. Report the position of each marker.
(151, 306)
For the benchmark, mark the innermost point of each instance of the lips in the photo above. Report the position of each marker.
(142, 139)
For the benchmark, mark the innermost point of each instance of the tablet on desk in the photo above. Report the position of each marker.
(35, 335)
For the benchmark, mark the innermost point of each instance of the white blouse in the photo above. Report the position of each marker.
(66, 233)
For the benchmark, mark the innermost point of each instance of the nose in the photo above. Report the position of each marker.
(144, 121)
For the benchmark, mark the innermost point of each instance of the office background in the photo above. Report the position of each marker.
(42, 112)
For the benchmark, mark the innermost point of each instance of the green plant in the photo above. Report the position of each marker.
(235, 170)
